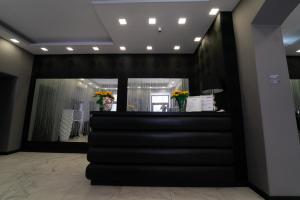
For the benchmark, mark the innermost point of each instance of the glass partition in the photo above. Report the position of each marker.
(295, 84)
(61, 108)
(153, 94)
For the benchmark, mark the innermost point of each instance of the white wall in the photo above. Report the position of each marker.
(16, 62)
(272, 143)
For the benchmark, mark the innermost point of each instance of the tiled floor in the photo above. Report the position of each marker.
(43, 176)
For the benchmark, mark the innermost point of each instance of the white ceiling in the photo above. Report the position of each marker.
(291, 33)
(82, 24)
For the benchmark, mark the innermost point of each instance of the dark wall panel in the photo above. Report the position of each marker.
(7, 88)
(108, 66)
(294, 66)
(217, 56)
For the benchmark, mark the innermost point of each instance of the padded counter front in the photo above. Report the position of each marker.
(161, 149)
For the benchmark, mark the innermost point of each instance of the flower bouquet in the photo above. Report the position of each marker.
(181, 98)
(105, 100)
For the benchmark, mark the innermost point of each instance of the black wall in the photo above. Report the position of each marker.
(121, 66)
(217, 56)
(117, 66)
(294, 66)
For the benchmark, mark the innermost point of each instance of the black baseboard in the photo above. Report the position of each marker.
(268, 197)
(55, 147)
(9, 152)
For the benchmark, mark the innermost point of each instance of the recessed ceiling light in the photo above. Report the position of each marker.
(122, 48)
(152, 21)
(149, 48)
(176, 47)
(182, 20)
(122, 21)
(44, 49)
(15, 40)
(214, 11)
(197, 39)
(96, 48)
(69, 48)
(298, 51)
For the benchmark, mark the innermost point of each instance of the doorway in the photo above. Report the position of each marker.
(7, 88)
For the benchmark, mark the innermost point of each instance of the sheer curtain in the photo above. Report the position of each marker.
(51, 98)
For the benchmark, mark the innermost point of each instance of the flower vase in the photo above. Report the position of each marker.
(107, 104)
(181, 103)
(100, 102)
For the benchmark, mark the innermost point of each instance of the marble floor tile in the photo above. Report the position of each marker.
(195, 194)
(56, 176)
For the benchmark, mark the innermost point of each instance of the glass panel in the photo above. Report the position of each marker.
(61, 108)
(153, 94)
(295, 84)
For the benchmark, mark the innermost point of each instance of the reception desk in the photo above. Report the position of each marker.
(161, 149)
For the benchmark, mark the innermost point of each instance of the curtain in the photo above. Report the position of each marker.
(68, 98)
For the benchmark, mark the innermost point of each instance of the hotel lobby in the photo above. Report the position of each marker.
(150, 99)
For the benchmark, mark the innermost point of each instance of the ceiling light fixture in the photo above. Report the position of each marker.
(44, 49)
(182, 20)
(122, 21)
(14, 40)
(197, 39)
(298, 51)
(149, 48)
(96, 48)
(214, 11)
(82, 79)
(69, 48)
(152, 21)
(176, 47)
(90, 83)
(122, 48)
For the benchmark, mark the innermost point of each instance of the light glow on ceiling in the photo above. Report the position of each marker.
(69, 48)
(214, 11)
(149, 47)
(152, 21)
(122, 48)
(197, 39)
(122, 21)
(96, 48)
(182, 20)
(176, 47)
(44, 49)
(14, 40)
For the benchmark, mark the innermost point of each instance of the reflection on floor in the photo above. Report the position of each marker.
(53, 176)
(80, 138)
